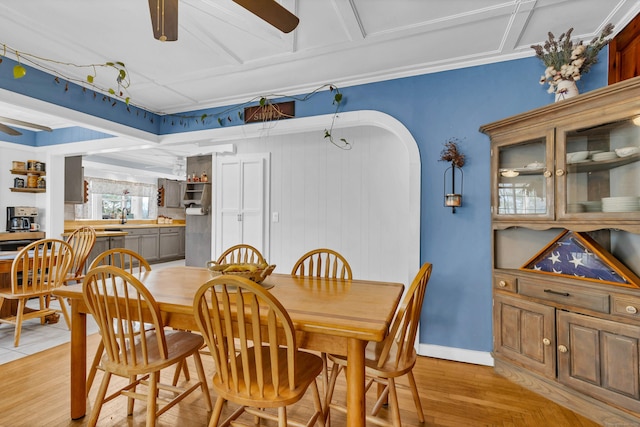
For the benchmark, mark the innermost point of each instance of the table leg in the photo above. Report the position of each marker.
(355, 383)
(78, 361)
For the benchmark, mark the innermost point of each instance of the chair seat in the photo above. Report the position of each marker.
(28, 292)
(308, 367)
(180, 344)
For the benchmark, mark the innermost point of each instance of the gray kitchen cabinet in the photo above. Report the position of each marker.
(170, 242)
(104, 243)
(144, 241)
(172, 192)
(182, 242)
(73, 180)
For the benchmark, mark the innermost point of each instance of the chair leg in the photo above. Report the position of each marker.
(203, 379)
(94, 365)
(416, 396)
(152, 401)
(393, 403)
(65, 312)
(19, 317)
(217, 410)
(282, 416)
(97, 406)
(317, 403)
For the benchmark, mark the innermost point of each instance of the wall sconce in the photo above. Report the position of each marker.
(452, 198)
(451, 153)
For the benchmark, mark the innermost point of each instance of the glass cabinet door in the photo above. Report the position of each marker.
(598, 171)
(524, 180)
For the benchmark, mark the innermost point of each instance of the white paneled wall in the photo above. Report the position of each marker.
(355, 201)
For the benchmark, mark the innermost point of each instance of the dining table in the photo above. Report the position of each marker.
(331, 315)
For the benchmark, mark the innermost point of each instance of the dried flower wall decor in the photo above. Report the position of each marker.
(452, 154)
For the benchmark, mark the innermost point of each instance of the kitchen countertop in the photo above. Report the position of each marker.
(105, 226)
(21, 235)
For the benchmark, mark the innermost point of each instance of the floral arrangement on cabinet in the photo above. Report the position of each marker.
(567, 60)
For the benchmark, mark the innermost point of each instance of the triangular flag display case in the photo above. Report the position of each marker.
(577, 255)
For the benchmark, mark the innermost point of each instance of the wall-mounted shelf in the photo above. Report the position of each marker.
(197, 193)
(28, 190)
(27, 172)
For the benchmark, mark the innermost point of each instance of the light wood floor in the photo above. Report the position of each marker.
(35, 392)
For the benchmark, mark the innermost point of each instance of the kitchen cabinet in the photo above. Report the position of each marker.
(144, 241)
(572, 165)
(173, 192)
(104, 243)
(74, 180)
(170, 242)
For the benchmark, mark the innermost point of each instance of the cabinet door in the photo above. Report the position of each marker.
(598, 169)
(524, 332)
(149, 247)
(101, 245)
(172, 194)
(523, 178)
(600, 358)
(169, 243)
(73, 180)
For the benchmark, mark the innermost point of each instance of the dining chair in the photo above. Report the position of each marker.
(241, 253)
(242, 324)
(132, 262)
(118, 302)
(81, 241)
(38, 269)
(126, 259)
(392, 358)
(322, 263)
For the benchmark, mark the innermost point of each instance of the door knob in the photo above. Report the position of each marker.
(546, 341)
(562, 349)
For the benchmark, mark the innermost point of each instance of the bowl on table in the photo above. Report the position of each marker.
(254, 272)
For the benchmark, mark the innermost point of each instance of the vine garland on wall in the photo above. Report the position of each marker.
(119, 92)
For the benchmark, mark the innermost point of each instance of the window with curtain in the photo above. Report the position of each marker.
(111, 199)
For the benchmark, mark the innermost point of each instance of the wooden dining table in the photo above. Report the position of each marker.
(335, 316)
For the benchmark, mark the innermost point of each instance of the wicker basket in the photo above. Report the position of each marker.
(257, 276)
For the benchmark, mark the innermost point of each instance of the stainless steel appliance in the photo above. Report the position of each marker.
(20, 218)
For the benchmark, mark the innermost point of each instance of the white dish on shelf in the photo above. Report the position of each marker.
(627, 151)
(579, 161)
(577, 156)
(607, 155)
(535, 165)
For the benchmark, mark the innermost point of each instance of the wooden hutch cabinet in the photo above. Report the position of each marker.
(572, 165)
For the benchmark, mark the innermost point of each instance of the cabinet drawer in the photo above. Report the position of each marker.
(169, 230)
(505, 282)
(564, 294)
(141, 231)
(627, 306)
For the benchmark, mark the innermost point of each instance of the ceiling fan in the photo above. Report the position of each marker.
(164, 16)
(11, 131)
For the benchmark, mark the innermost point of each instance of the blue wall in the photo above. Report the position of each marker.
(434, 108)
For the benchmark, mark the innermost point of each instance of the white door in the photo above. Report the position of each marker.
(241, 199)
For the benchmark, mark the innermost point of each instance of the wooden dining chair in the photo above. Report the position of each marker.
(81, 241)
(392, 358)
(132, 262)
(126, 259)
(242, 324)
(241, 254)
(322, 263)
(37, 270)
(118, 302)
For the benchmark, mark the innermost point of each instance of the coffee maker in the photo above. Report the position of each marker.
(20, 218)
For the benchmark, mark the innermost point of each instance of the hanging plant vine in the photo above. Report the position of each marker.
(122, 80)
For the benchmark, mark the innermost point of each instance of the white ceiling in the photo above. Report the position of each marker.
(225, 55)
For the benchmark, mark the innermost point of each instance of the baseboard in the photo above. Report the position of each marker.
(456, 354)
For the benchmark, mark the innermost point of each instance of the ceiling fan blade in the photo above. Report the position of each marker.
(24, 124)
(272, 12)
(8, 130)
(164, 19)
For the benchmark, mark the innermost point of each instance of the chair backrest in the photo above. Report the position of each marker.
(82, 241)
(402, 334)
(126, 259)
(239, 254)
(42, 266)
(323, 263)
(119, 303)
(231, 329)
